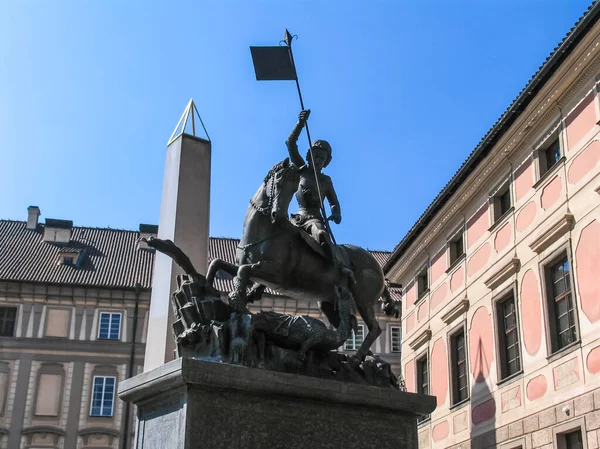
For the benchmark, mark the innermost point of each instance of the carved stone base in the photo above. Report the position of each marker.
(193, 404)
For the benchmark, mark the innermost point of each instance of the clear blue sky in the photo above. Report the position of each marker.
(403, 90)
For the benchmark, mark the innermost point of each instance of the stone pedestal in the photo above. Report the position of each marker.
(193, 404)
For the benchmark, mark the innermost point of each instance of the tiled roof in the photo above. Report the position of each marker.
(527, 94)
(110, 259)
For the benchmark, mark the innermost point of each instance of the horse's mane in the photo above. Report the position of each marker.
(277, 167)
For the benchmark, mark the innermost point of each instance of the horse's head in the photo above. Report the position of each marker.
(281, 184)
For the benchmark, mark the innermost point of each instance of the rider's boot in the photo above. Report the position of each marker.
(329, 248)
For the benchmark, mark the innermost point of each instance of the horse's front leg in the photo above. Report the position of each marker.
(238, 298)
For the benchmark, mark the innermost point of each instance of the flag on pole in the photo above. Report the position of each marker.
(273, 63)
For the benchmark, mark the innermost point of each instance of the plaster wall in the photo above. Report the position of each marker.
(552, 213)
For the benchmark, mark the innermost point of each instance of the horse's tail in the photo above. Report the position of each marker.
(389, 306)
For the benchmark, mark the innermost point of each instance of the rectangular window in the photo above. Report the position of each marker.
(395, 337)
(508, 337)
(460, 381)
(110, 326)
(422, 282)
(422, 376)
(573, 440)
(103, 396)
(8, 318)
(550, 155)
(501, 201)
(356, 339)
(422, 380)
(561, 312)
(456, 247)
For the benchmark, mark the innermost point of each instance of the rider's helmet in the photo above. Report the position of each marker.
(322, 145)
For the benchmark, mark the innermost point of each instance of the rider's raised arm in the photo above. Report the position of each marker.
(292, 140)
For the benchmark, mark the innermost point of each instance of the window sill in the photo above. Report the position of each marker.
(564, 351)
(550, 172)
(460, 404)
(510, 379)
(502, 219)
(457, 262)
(101, 417)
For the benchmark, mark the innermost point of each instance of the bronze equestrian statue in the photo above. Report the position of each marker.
(274, 253)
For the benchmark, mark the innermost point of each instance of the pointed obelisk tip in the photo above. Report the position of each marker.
(287, 38)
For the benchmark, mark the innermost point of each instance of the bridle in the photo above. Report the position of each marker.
(267, 209)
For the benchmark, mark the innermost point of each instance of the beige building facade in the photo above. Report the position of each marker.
(74, 313)
(501, 304)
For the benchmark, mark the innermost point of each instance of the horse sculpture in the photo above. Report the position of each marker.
(273, 253)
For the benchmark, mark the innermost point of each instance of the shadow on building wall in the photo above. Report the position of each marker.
(483, 405)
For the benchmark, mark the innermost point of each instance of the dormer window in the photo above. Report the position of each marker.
(147, 231)
(57, 231)
(69, 256)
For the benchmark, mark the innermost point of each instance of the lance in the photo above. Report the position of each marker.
(277, 63)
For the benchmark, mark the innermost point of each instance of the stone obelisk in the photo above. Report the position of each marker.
(184, 219)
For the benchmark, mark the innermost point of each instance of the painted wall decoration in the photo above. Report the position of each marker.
(477, 226)
(479, 259)
(580, 121)
(551, 193)
(438, 296)
(438, 266)
(484, 411)
(531, 312)
(587, 255)
(502, 238)
(440, 431)
(593, 360)
(439, 371)
(536, 387)
(481, 344)
(584, 162)
(523, 180)
(457, 279)
(526, 216)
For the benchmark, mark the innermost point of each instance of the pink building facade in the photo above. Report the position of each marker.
(501, 304)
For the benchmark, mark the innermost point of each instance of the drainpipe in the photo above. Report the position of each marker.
(125, 440)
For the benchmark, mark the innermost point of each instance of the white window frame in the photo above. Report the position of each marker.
(109, 325)
(350, 344)
(392, 339)
(112, 408)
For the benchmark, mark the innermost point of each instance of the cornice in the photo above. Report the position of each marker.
(545, 110)
(460, 308)
(502, 274)
(420, 339)
(559, 228)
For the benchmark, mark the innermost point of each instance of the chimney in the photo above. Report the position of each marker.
(33, 213)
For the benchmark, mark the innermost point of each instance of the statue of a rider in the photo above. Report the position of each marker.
(309, 216)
